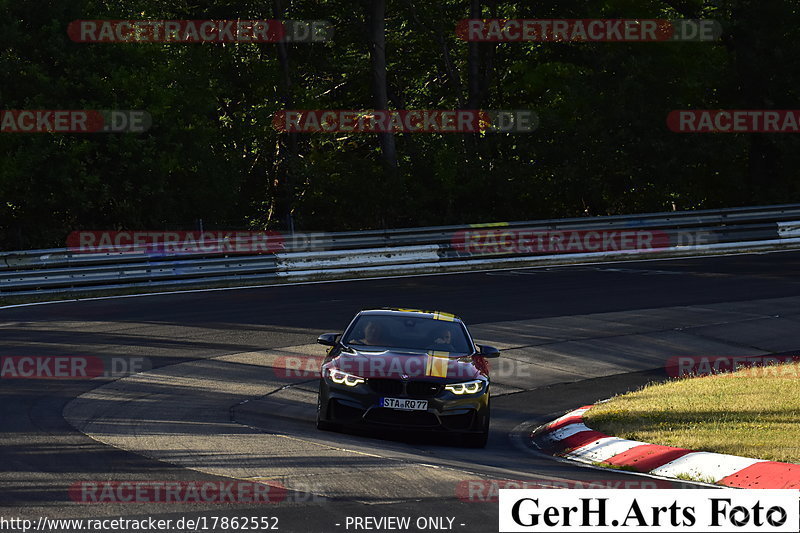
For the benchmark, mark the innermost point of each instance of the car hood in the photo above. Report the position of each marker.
(392, 364)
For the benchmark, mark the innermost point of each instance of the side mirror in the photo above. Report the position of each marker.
(489, 352)
(328, 339)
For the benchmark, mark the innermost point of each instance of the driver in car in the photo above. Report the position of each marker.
(443, 340)
(373, 334)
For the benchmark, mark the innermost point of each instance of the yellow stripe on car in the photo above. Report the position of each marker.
(410, 311)
(437, 364)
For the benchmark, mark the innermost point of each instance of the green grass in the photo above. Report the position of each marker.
(752, 413)
(625, 468)
(700, 479)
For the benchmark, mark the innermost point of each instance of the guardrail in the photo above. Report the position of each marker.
(234, 258)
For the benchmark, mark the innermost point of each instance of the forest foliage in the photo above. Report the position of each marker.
(602, 147)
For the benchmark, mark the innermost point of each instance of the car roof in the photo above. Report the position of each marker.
(432, 315)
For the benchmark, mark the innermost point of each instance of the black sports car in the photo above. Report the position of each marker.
(405, 368)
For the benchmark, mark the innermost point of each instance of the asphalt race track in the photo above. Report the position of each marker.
(217, 402)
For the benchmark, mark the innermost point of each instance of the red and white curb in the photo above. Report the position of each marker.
(571, 438)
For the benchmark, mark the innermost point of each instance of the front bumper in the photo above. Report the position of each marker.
(360, 405)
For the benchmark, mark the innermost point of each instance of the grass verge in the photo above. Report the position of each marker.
(754, 412)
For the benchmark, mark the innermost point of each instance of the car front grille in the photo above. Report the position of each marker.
(423, 389)
(413, 389)
(386, 386)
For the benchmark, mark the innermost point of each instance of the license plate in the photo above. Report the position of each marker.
(404, 404)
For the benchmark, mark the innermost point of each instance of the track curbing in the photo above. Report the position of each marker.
(570, 438)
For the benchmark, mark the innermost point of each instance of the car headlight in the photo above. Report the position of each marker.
(343, 378)
(469, 387)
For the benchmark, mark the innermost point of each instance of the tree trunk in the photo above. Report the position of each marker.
(376, 15)
(474, 61)
(749, 47)
(282, 183)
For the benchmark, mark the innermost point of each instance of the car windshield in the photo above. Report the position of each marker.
(409, 333)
